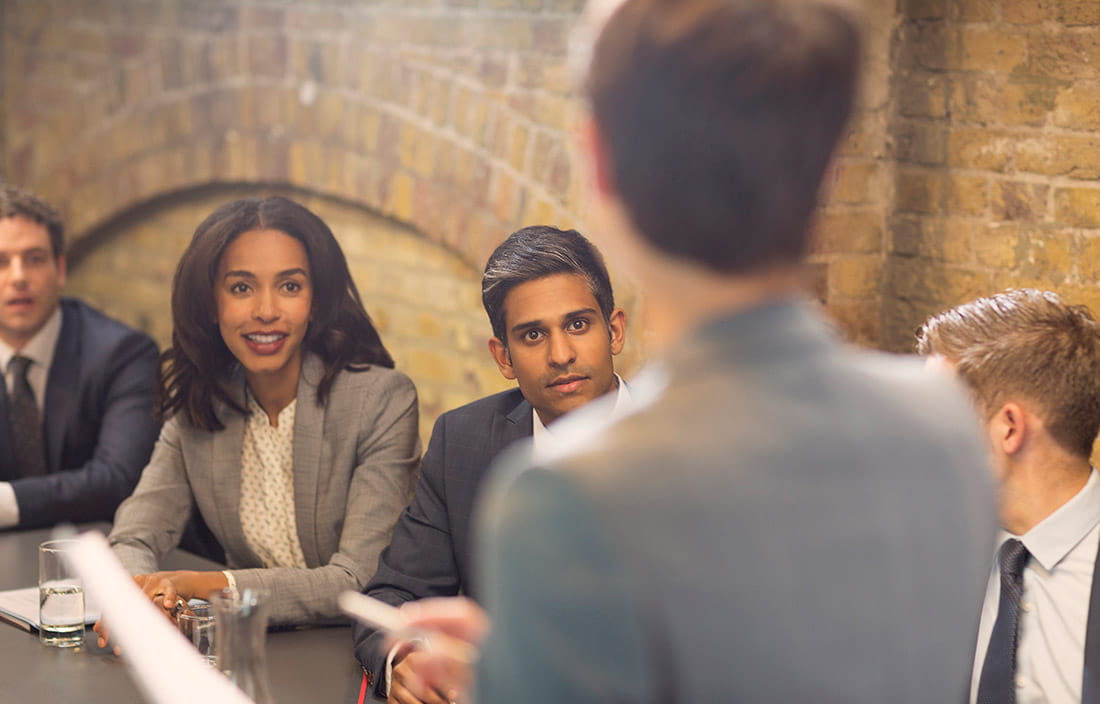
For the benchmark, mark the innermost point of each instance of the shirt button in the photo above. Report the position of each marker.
(1025, 605)
(1021, 683)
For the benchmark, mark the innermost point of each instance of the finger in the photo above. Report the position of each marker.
(101, 628)
(400, 694)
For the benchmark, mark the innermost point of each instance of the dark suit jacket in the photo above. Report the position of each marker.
(430, 551)
(98, 421)
(788, 521)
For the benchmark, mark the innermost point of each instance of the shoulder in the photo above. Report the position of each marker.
(98, 328)
(502, 403)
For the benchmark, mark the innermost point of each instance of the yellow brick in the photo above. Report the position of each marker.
(1077, 207)
(966, 194)
(1060, 155)
(974, 10)
(847, 232)
(1023, 11)
(997, 245)
(919, 191)
(855, 277)
(399, 202)
(1088, 261)
(859, 321)
(988, 50)
(972, 148)
(1019, 201)
(1078, 107)
(1050, 254)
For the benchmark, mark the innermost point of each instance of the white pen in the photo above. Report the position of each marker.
(384, 617)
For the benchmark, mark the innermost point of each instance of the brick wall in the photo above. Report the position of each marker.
(969, 165)
(995, 134)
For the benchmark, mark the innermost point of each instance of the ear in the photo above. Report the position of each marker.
(62, 269)
(1008, 429)
(617, 323)
(596, 157)
(502, 358)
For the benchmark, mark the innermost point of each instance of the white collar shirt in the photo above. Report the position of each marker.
(40, 350)
(1050, 652)
(544, 438)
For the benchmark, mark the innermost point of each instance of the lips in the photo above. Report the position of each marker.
(265, 343)
(567, 384)
(20, 302)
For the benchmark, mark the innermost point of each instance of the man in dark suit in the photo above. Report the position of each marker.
(781, 518)
(555, 331)
(76, 408)
(1033, 363)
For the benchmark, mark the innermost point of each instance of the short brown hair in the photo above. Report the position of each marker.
(719, 119)
(1031, 344)
(18, 202)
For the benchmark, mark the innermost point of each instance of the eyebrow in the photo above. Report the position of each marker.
(282, 274)
(521, 328)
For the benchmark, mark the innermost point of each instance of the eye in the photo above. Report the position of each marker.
(532, 336)
(292, 286)
(239, 288)
(578, 325)
(37, 258)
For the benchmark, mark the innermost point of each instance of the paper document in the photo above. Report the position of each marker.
(19, 607)
(159, 656)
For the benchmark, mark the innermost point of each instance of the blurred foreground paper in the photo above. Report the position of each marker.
(159, 657)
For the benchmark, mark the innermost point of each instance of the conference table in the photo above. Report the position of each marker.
(304, 665)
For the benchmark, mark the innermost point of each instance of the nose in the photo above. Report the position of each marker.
(266, 309)
(17, 271)
(562, 353)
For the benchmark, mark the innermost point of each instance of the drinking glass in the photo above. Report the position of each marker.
(60, 597)
(196, 623)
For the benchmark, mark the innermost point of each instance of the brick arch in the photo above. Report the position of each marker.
(463, 145)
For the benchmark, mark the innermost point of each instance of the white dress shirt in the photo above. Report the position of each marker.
(543, 438)
(40, 351)
(1054, 608)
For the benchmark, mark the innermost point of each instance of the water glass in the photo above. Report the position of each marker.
(60, 597)
(196, 623)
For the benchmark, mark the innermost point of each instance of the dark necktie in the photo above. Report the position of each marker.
(26, 424)
(998, 682)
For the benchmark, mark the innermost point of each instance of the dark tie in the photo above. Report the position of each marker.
(998, 682)
(26, 425)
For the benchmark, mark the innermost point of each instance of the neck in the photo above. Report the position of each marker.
(274, 393)
(680, 302)
(1032, 490)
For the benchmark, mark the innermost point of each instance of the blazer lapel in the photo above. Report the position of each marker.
(1090, 686)
(61, 387)
(309, 429)
(518, 424)
(7, 442)
(224, 457)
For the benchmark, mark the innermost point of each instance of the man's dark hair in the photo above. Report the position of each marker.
(533, 253)
(19, 202)
(720, 117)
(1030, 344)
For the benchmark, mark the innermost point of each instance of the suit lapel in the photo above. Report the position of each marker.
(61, 387)
(7, 443)
(309, 429)
(1090, 686)
(224, 457)
(518, 424)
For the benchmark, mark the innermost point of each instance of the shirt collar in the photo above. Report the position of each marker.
(1056, 535)
(40, 348)
(622, 401)
(257, 414)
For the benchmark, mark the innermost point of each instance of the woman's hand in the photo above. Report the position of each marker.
(165, 589)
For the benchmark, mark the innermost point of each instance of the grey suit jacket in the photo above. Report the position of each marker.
(790, 521)
(355, 465)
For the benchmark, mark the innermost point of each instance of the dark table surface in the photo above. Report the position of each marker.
(308, 665)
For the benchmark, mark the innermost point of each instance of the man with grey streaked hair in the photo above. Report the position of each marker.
(782, 518)
(556, 331)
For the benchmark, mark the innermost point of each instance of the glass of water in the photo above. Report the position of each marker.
(196, 623)
(60, 597)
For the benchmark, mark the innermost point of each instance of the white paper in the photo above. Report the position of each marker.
(22, 604)
(158, 655)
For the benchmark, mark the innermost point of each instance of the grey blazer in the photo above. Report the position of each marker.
(355, 466)
(790, 521)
